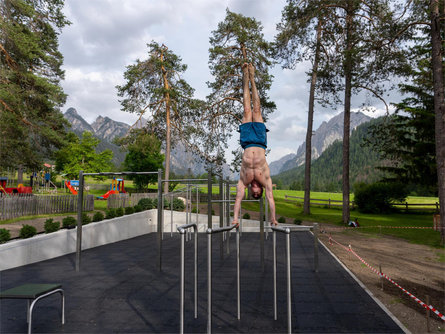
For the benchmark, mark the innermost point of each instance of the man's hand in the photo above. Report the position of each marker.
(274, 222)
(235, 222)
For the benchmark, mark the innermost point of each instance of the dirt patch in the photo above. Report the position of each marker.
(417, 268)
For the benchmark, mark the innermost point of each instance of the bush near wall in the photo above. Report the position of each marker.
(4, 235)
(27, 231)
(51, 226)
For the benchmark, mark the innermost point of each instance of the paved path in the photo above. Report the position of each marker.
(120, 290)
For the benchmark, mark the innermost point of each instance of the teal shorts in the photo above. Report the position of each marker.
(253, 134)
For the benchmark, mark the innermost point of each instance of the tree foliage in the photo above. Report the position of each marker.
(405, 138)
(31, 124)
(155, 89)
(80, 154)
(143, 155)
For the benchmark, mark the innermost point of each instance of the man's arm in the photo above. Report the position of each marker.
(269, 196)
(240, 193)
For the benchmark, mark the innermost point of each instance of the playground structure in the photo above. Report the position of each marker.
(116, 187)
(20, 189)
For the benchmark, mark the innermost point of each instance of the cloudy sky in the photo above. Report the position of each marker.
(107, 35)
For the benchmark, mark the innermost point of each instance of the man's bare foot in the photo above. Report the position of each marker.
(251, 71)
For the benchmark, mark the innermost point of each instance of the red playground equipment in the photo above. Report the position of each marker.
(20, 189)
(116, 187)
(71, 184)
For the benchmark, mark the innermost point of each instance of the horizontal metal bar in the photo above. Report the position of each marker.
(185, 180)
(281, 229)
(221, 229)
(232, 200)
(181, 229)
(119, 173)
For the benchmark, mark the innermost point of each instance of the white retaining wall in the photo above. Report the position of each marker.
(16, 253)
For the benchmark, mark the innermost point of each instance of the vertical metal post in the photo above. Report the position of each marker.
(209, 200)
(196, 271)
(209, 281)
(261, 232)
(274, 237)
(197, 207)
(159, 219)
(181, 297)
(240, 220)
(316, 229)
(171, 215)
(238, 278)
(79, 221)
(221, 217)
(289, 303)
(381, 276)
(228, 212)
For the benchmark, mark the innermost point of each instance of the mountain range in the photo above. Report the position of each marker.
(326, 134)
(104, 128)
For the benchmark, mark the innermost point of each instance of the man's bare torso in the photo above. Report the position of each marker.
(254, 166)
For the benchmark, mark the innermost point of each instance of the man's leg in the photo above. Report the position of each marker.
(256, 117)
(247, 117)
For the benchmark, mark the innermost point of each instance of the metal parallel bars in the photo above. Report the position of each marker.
(210, 232)
(182, 231)
(288, 276)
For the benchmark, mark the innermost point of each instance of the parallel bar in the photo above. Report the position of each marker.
(228, 213)
(238, 279)
(209, 199)
(120, 173)
(289, 304)
(184, 180)
(274, 237)
(160, 219)
(182, 231)
(79, 221)
(221, 217)
(262, 233)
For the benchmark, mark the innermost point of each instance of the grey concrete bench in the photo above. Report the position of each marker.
(33, 293)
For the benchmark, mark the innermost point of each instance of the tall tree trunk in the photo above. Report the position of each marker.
(168, 124)
(439, 108)
(347, 112)
(307, 169)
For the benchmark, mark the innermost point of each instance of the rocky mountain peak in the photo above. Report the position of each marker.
(326, 134)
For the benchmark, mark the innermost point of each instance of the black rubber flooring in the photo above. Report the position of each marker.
(119, 289)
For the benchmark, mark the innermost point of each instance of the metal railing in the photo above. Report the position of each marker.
(182, 231)
(287, 231)
(210, 232)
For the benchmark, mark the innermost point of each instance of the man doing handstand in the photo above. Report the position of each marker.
(253, 139)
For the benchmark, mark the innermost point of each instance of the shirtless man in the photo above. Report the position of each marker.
(254, 168)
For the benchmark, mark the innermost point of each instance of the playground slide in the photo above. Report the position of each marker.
(109, 192)
(70, 187)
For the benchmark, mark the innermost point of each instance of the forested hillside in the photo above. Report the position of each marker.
(327, 169)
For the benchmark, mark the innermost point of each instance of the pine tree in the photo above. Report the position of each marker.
(154, 86)
(31, 124)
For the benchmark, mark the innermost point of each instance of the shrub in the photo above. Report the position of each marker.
(246, 216)
(282, 220)
(4, 235)
(178, 205)
(194, 210)
(213, 212)
(27, 231)
(137, 208)
(378, 197)
(69, 222)
(145, 203)
(51, 226)
(231, 213)
(110, 213)
(129, 210)
(297, 221)
(119, 212)
(85, 218)
(166, 203)
(98, 216)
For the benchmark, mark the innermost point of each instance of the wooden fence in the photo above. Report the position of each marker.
(316, 201)
(18, 206)
(333, 203)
